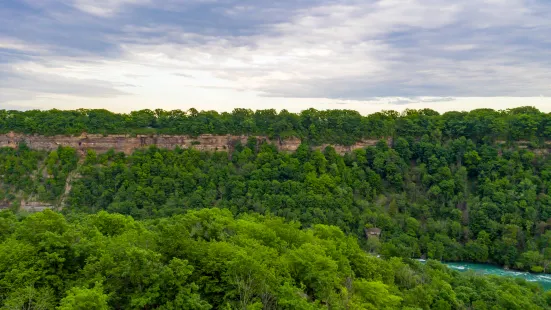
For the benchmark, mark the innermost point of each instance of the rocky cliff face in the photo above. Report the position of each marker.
(127, 144)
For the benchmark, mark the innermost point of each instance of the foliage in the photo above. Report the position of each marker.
(209, 259)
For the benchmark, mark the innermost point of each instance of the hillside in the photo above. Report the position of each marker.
(209, 259)
(455, 201)
(436, 196)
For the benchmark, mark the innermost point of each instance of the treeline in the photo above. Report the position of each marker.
(209, 259)
(312, 126)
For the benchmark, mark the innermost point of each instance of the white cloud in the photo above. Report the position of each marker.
(332, 50)
(15, 44)
(353, 50)
(105, 8)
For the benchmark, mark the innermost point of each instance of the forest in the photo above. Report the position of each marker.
(210, 259)
(263, 229)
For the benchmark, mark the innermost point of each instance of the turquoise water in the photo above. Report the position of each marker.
(543, 279)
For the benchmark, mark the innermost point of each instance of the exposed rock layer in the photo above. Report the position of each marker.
(127, 144)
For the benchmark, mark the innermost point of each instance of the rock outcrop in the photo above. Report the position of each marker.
(127, 143)
(34, 206)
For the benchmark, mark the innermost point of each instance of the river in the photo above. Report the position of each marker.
(543, 279)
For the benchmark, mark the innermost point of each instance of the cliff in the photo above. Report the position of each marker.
(127, 144)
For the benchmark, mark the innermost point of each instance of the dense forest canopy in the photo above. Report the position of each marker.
(315, 127)
(262, 229)
(208, 259)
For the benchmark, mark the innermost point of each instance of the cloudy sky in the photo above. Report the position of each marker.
(365, 55)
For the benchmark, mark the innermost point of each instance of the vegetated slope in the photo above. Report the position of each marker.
(208, 259)
(454, 201)
(448, 188)
(35, 176)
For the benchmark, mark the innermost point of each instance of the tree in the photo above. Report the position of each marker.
(85, 299)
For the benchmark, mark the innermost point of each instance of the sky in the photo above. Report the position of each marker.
(364, 55)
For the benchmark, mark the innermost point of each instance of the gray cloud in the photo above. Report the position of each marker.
(347, 49)
(26, 86)
(462, 52)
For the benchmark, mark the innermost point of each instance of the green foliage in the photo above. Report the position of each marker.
(209, 259)
(486, 205)
(85, 299)
(454, 200)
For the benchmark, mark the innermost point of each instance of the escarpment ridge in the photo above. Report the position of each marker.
(128, 143)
